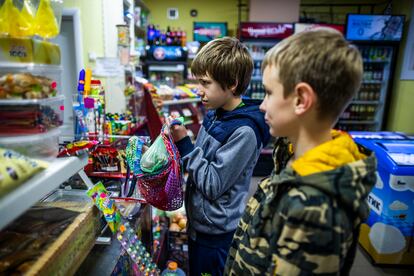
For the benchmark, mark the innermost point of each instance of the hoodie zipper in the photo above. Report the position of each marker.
(212, 124)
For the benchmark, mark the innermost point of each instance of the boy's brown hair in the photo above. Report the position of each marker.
(323, 59)
(227, 61)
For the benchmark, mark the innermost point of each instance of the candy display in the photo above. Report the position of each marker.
(30, 116)
(136, 250)
(76, 148)
(26, 86)
(15, 169)
(108, 159)
(107, 206)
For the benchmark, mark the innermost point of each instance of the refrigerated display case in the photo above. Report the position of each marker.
(388, 233)
(166, 65)
(377, 37)
(259, 37)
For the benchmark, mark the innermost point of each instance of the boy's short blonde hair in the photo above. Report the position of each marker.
(227, 61)
(323, 59)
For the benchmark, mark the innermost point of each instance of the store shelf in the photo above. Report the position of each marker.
(257, 78)
(141, 4)
(352, 122)
(375, 61)
(372, 81)
(181, 101)
(365, 102)
(139, 31)
(127, 3)
(16, 202)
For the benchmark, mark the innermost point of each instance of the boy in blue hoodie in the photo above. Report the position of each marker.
(220, 163)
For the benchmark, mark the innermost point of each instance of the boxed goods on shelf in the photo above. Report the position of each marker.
(19, 117)
(41, 146)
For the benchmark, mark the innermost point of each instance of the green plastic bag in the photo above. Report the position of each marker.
(155, 158)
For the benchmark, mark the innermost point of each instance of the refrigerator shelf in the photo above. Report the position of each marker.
(351, 122)
(375, 61)
(371, 81)
(365, 102)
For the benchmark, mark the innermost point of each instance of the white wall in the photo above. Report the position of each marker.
(282, 11)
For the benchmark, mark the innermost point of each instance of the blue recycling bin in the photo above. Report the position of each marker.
(388, 233)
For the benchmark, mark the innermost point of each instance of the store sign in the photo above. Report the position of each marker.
(265, 30)
(374, 27)
(302, 27)
(206, 31)
(166, 53)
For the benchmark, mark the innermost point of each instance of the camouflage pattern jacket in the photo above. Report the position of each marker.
(305, 217)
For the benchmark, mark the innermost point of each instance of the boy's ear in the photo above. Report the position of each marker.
(305, 98)
(233, 87)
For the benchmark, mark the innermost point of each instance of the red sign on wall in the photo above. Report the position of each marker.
(265, 30)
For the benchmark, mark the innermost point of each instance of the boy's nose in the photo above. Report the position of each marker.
(262, 107)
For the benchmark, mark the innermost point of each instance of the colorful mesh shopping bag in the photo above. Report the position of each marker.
(163, 188)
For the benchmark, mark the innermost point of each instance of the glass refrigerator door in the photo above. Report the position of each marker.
(257, 50)
(366, 111)
(169, 74)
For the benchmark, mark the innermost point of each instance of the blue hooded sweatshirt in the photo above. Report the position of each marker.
(220, 166)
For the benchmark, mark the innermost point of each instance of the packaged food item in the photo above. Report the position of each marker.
(75, 148)
(155, 158)
(16, 168)
(26, 86)
(106, 205)
(48, 17)
(22, 117)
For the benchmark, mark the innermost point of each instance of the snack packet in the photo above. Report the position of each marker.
(16, 168)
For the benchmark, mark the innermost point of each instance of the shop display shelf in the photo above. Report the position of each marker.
(16, 202)
(372, 81)
(141, 4)
(181, 101)
(357, 122)
(375, 61)
(365, 102)
(257, 78)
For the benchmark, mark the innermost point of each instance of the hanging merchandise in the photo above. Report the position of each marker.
(106, 205)
(27, 13)
(162, 188)
(136, 250)
(47, 20)
(16, 23)
(125, 233)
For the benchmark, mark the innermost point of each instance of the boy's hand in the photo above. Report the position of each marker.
(178, 132)
(176, 128)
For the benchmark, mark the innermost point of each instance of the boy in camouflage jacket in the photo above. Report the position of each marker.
(304, 219)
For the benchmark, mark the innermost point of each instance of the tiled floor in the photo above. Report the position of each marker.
(362, 265)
